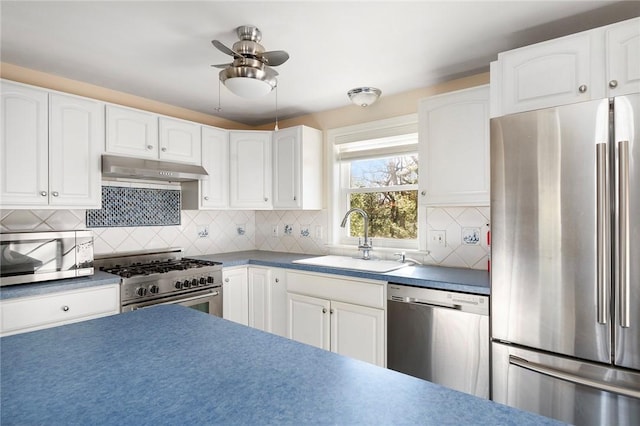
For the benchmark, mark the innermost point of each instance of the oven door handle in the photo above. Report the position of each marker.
(189, 299)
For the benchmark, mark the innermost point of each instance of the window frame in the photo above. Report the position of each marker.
(338, 199)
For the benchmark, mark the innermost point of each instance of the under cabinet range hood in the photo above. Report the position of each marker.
(138, 168)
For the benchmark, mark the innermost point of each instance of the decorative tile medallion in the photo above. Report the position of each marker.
(123, 206)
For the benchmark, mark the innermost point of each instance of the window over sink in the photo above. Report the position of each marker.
(376, 168)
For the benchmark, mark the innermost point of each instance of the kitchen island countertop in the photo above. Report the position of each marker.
(437, 277)
(174, 365)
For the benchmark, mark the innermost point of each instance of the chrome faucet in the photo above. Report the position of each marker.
(367, 245)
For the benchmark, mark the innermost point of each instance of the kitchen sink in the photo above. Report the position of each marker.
(346, 262)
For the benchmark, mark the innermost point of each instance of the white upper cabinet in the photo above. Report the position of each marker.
(214, 191)
(454, 148)
(135, 133)
(179, 140)
(555, 72)
(589, 65)
(297, 168)
(76, 140)
(250, 170)
(24, 153)
(623, 58)
(131, 132)
(50, 149)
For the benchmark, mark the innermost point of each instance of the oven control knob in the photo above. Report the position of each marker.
(186, 284)
(178, 285)
(210, 280)
(154, 289)
(203, 281)
(194, 282)
(141, 291)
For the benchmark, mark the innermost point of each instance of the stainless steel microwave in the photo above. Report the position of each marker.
(27, 257)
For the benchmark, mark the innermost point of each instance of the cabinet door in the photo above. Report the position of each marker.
(259, 298)
(38, 312)
(551, 73)
(286, 168)
(180, 141)
(455, 156)
(278, 302)
(235, 300)
(131, 132)
(623, 57)
(358, 332)
(76, 143)
(215, 159)
(250, 170)
(308, 320)
(24, 175)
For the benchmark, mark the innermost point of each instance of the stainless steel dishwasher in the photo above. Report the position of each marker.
(439, 336)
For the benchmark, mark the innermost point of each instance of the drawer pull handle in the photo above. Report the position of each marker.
(65, 308)
(582, 88)
(613, 84)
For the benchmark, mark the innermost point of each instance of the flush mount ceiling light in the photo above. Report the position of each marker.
(364, 96)
(250, 74)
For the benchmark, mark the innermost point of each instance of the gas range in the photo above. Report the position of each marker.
(160, 276)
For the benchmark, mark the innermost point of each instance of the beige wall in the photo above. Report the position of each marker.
(386, 107)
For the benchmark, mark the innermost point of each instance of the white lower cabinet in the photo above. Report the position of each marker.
(267, 300)
(235, 299)
(37, 312)
(344, 315)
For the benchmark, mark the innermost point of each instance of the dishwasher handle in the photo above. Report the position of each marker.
(431, 303)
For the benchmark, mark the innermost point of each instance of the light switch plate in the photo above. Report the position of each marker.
(438, 238)
(274, 231)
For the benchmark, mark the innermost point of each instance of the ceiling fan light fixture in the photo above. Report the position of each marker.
(364, 96)
(247, 82)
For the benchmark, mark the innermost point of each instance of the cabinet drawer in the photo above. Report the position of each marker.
(343, 289)
(33, 313)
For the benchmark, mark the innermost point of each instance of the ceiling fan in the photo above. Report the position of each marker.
(250, 75)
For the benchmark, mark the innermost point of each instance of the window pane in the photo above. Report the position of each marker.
(381, 172)
(391, 214)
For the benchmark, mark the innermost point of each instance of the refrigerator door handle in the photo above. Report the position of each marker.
(572, 378)
(603, 240)
(622, 274)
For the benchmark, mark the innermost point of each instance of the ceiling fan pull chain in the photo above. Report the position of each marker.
(276, 128)
(219, 108)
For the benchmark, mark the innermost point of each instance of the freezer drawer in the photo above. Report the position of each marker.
(565, 389)
(430, 336)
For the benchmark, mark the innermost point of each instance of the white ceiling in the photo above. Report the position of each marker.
(163, 51)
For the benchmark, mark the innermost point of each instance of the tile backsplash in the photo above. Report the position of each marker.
(126, 206)
(216, 231)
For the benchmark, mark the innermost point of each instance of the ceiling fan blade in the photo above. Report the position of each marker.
(222, 66)
(224, 49)
(275, 57)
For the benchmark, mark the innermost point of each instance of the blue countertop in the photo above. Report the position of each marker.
(99, 278)
(174, 365)
(437, 277)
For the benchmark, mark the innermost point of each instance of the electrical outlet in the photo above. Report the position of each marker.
(274, 231)
(318, 232)
(438, 238)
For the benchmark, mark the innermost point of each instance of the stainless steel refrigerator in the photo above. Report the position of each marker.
(565, 261)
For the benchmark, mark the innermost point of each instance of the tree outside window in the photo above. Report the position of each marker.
(387, 189)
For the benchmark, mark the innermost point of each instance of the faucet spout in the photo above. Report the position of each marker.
(366, 245)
